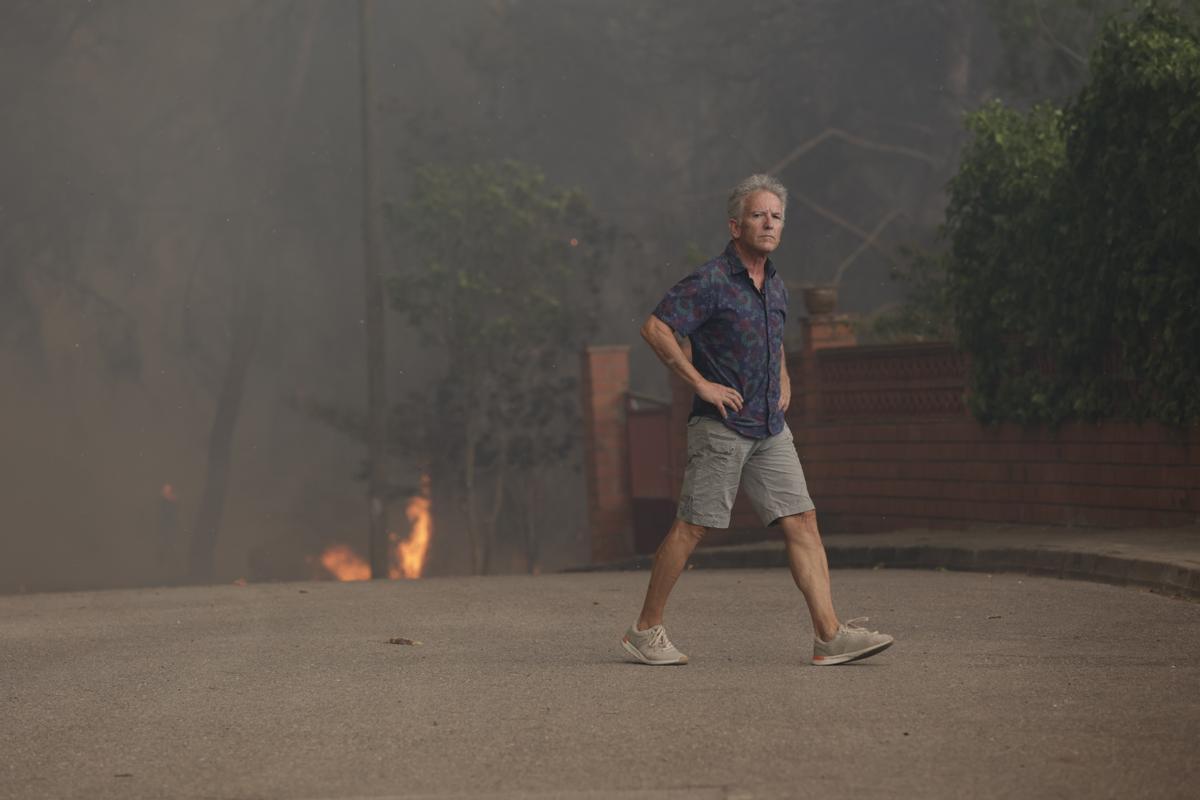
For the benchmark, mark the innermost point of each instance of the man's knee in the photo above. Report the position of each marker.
(800, 527)
(686, 530)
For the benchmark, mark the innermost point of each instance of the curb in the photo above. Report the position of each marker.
(1162, 577)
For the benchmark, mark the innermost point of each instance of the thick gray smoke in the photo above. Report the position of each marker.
(181, 240)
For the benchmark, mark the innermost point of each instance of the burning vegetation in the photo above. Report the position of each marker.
(407, 556)
(340, 561)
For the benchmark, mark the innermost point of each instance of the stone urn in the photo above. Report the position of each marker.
(819, 300)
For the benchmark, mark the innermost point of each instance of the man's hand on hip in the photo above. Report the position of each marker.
(719, 396)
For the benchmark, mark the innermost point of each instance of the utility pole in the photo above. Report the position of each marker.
(376, 429)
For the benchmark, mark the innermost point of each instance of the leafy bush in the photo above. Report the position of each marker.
(1074, 239)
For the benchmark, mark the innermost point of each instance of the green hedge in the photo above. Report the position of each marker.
(1074, 259)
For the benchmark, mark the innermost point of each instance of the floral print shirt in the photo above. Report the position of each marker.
(736, 333)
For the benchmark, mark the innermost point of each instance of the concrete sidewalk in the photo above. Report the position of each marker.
(1164, 560)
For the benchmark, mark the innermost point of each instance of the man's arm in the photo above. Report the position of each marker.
(785, 383)
(661, 339)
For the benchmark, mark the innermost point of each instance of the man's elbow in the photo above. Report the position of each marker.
(651, 326)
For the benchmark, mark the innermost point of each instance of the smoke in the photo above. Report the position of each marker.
(163, 162)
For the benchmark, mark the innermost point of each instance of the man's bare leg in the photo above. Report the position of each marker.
(810, 570)
(669, 561)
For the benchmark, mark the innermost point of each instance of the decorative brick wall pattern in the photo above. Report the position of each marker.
(891, 381)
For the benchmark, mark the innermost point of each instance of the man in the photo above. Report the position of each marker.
(733, 310)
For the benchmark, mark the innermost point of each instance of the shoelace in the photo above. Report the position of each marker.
(852, 625)
(659, 640)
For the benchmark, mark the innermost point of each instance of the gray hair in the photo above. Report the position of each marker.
(755, 183)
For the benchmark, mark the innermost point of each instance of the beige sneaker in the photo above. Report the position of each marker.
(850, 644)
(652, 646)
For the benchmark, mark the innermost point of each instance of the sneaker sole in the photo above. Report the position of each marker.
(845, 658)
(633, 651)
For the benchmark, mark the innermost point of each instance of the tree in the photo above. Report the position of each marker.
(501, 276)
(1134, 178)
(53, 236)
(1074, 243)
(1002, 272)
(373, 317)
(246, 300)
(94, 217)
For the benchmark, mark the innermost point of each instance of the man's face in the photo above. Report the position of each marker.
(761, 224)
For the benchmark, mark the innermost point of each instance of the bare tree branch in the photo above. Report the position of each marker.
(1049, 34)
(857, 141)
(868, 242)
(821, 211)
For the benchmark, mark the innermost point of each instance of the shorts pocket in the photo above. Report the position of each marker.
(714, 437)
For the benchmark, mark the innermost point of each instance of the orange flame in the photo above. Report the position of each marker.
(344, 564)
(409, 555)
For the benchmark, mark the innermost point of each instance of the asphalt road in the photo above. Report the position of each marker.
(998, 686)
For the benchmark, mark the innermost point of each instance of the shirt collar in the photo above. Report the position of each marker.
(736, 265)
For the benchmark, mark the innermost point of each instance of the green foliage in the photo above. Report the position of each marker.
(1074, 234)
(500, 275)
(925, 315)
(1002, 272)
(1134, 159)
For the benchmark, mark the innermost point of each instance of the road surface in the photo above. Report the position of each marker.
(998, 686)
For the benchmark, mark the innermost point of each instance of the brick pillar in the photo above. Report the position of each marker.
(605, 384)
(829, 330)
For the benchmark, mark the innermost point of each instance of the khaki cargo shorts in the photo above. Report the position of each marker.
(720, 458)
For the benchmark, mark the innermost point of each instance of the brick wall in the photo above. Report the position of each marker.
(883, 475)
(887, 443)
